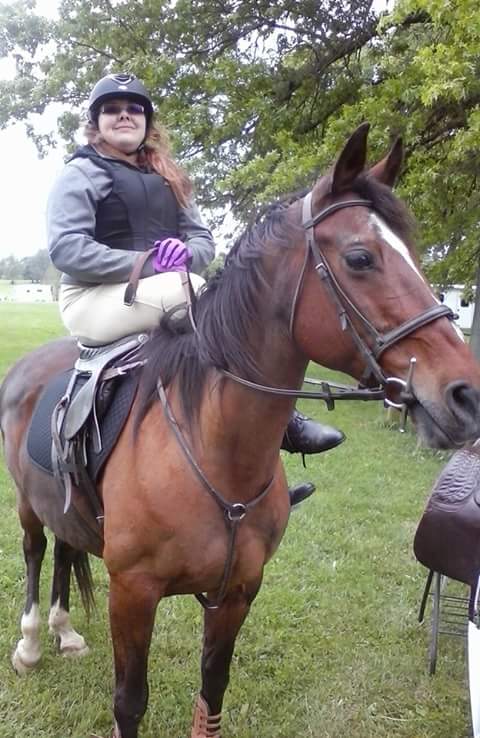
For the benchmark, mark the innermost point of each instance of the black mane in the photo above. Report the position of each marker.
(227, 308)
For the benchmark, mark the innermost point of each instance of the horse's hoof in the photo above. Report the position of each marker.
(22, 662)
(71, 645)
(74, 651)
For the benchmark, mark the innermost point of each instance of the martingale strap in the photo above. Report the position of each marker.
(234, 512)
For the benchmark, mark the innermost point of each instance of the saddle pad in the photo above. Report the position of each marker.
(39, 441)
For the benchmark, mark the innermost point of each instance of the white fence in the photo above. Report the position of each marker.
(31, 293)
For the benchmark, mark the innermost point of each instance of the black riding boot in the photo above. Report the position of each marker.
(300, 493)
(305, 436)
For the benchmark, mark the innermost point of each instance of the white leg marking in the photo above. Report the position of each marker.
(71, 643)
(28, 652)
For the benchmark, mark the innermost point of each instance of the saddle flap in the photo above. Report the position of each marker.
(81, 407)
(82, 404)
(40, 437)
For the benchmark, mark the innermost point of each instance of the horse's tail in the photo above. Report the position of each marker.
(83, 576)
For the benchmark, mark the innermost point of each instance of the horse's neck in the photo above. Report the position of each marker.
(246, 426)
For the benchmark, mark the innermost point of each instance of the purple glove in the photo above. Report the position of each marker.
(172, 255)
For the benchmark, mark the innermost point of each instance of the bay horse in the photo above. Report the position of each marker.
(331, 277)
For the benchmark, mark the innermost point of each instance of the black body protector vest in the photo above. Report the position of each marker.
(140, 209)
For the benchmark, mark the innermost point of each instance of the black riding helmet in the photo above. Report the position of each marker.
(118, 85)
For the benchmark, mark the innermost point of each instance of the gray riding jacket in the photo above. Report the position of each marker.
(102, 211)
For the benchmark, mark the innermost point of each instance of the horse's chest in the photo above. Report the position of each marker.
(200, 559)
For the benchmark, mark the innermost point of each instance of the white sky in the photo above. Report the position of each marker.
(24, 189)
(27, 179)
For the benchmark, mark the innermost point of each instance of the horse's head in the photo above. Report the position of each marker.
(362, 292)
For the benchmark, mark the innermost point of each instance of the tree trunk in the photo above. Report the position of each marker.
(475, 336)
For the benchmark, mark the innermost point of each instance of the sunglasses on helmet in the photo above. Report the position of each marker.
(117, 108)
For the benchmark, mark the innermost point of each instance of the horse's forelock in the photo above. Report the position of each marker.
(387, 206)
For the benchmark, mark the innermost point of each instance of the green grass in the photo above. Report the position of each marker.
(332, 647)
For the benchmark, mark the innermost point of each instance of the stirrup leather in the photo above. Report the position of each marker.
(205, 725)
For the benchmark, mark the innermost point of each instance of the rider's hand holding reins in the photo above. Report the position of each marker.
(172, 256)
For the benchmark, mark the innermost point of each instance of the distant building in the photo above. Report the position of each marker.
(31, 293)
(453, 296)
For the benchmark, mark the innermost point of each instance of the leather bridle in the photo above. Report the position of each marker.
(346, 307)
(371, 349)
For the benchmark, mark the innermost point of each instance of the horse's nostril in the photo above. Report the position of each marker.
(463, 401)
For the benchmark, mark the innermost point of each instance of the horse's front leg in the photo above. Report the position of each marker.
(221, 628)
(133, 602)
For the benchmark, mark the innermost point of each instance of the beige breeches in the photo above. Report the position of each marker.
(97, 315)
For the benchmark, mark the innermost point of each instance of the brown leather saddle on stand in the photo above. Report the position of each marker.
(447, 539)
(447, 542)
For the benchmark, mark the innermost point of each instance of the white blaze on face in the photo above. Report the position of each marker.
(395, 242)
(389, 237)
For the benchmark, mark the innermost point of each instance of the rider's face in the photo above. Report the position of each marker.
(122, 124)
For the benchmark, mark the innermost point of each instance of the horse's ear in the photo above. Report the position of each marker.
(351, 161)
(387, 169)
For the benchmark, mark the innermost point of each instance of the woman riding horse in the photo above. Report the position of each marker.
(195, 498)
(121, 195)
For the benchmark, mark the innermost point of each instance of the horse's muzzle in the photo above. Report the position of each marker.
(454, 422)
(463, 401)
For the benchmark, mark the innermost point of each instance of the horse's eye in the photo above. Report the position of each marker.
(359, 259)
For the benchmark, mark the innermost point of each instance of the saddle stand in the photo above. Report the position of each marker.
(447, 542)
(76, 417)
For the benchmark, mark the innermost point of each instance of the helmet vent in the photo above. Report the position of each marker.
(122, 79)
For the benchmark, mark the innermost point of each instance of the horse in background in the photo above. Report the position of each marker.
(331, 278)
